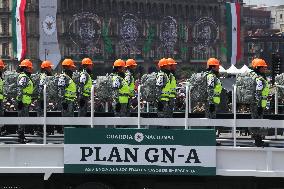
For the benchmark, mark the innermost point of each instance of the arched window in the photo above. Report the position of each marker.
(192, 12)
(141, 7)
(211, 11)
(161, 7)
(187, 13)
(175, 9)
(167, 9)
(114, 5)
(108, 5)
(180, 10)
(101, 6)
(154, 8)
(121, 6)
(198, 13)
(204, 11)
(128, 6)
(148, 8)
(135, 7)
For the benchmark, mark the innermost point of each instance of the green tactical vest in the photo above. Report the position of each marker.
(217, 88)
(173, 86)
(123, 91)
(264, 92)
(88, 86)
(131, 85)
(70, 90)
(167, 88)
(27, 91)
(1, 89)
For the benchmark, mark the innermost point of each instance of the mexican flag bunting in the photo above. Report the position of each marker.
(19, 29)
(233, 13)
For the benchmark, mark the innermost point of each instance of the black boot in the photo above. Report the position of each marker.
(21, 137)
(258, 141)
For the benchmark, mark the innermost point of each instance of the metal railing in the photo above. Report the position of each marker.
(185, 122)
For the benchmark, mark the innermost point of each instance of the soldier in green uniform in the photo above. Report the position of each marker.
(214, 87)
(164, 87)
(85, 86)
(260, 99)
(119, 83)
(46, 70)
(2, 67)
(67, 88)
(25, 89)
(130, 66)
(173, 92)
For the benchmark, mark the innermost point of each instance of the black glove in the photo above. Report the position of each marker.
(64, 106)
(259, 110)
(20, 105)
(82, 102)
(117, 107)
(41, 103)
(160, 106)
(212, 107)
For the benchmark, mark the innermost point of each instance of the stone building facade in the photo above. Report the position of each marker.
(189, 31)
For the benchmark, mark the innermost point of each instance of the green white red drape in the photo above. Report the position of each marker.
(233, 15)
(19, 29)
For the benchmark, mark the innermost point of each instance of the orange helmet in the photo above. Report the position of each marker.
(163, 62)
(87, 61)
(119, 63)
(68, 62)
(213, 62)
(2, 65)
(171, 61)
(26, 63)
(46, 64)
(258, 63)
(130, 62)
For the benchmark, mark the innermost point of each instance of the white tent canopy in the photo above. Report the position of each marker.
(222, 69)
(233, 70)
(245, 69)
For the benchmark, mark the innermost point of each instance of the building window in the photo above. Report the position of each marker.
(281, 16)
(272, 20)
(5, 4)
(5, 49)
(4, 25)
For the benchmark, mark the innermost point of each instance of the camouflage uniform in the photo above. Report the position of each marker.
(214, 89)
(1, 97)
(42, 82)
(131, 83)
(121, 100)
(262, 91)
(164, 88)
(67, 93)
(1, 103)
(84, 89)
(258, 106)
(24, 93)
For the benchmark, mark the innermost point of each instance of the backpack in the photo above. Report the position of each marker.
(104, 89)
(149, 90)
(10, 84)
(246, 89)
(279, 79)
(198, 87)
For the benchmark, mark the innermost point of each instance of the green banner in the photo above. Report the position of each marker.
(140, 151)
(149, 40)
